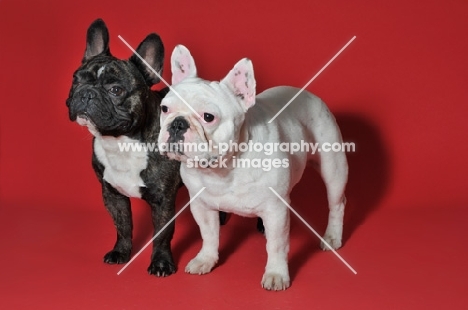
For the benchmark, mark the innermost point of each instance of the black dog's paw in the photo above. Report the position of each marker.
(116, 257)
(260, 226)
(161, 268)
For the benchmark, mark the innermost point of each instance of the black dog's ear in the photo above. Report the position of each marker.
(152, 51)
(97, 40)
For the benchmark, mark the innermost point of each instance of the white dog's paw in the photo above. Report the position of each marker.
(200, 265)
(275, 282)
(334, 242)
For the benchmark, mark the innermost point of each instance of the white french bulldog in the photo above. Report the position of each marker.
(228, 112)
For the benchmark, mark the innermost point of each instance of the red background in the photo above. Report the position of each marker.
(398, 91)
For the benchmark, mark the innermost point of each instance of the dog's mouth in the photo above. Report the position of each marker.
(173, 150)
(83, 119)
(181, 155)
(176, 156)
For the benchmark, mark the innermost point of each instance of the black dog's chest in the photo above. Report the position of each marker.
(123, 161)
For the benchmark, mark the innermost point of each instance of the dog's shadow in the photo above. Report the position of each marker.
(369, 172)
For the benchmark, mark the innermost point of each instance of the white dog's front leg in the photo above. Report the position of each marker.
(208, 221)
(276, 222)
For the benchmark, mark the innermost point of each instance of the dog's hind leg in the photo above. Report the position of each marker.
(334, 171)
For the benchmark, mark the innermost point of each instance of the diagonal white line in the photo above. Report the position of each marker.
(161, 78)
(160, 231)
(313, 230)
(312, 79)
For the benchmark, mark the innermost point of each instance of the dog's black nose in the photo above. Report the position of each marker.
(87, 95)
(178, 126)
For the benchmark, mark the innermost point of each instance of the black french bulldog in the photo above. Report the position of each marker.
(112, 97)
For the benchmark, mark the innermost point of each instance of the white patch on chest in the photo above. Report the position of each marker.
(101, 70)
(121, 168)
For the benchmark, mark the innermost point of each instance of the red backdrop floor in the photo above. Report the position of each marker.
(52, 259)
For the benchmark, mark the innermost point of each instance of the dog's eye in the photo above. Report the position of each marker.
(208, 117)
(116, 90)
(164, 108)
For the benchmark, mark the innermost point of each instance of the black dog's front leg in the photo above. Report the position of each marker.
(118, 206)
(162, 211)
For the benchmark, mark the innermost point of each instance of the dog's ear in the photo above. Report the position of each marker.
(182, 64)
(151, 50)
(97, 40)
(241, 82)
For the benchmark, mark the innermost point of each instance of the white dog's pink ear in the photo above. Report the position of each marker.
(182, 64)
(241, 81)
